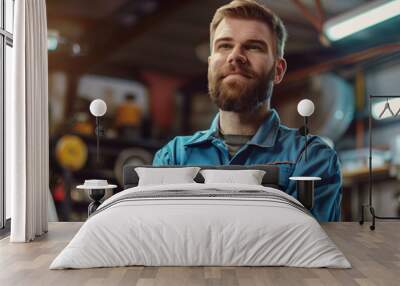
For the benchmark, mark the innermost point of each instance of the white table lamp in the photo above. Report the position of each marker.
(98, 107)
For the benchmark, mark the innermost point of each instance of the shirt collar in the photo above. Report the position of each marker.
(268, 131)
(265, 136)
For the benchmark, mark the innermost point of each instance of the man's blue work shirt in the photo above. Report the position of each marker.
(273, 143)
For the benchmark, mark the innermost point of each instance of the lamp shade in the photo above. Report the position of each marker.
(98, 107)
(305, 107)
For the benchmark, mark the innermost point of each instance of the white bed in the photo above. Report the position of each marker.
(222, 225)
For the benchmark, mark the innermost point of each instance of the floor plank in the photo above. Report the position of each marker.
(374, 255)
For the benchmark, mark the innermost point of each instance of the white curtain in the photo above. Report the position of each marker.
(27, 140)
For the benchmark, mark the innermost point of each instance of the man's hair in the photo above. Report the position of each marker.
(251, 9)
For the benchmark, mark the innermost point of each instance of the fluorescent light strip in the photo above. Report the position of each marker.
(337, 29)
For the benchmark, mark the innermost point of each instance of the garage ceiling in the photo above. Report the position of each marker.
(124, 37)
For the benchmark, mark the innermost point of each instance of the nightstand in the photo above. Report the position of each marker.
(305, 190)
(96, 190)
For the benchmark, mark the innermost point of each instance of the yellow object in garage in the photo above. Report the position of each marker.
(84, 128)
(129, 115)
(71, 152)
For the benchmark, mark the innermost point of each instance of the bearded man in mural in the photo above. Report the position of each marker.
(247, 43)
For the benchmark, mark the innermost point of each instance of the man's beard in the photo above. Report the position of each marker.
(240, 96)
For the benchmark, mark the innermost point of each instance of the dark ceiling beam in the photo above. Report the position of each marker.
(84, 22)
(119, 71)
(297, 23)
(315, 21)
(108, 39)
(335, 63)
(107, 36)
(131, 71)
(320, 10)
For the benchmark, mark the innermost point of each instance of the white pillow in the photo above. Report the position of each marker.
(164, 176)
(248, 177)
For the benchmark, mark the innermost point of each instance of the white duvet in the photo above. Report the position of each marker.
(207, 230)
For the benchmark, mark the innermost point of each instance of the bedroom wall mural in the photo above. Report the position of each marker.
(157, 78)
(191, 136)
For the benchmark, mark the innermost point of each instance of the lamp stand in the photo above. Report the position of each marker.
(304, 132)
(99, 133)
(305, 136)
(369, 205)
(96, 196)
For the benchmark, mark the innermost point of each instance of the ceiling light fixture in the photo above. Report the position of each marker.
(52, 40)
(361, 18)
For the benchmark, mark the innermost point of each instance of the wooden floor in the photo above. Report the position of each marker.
(375, 257)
